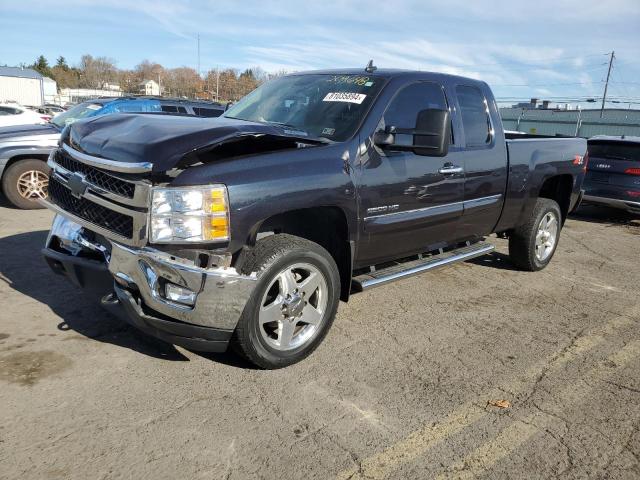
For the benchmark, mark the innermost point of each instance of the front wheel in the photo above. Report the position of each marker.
(532, 245)
(25, 182)
(294, 302)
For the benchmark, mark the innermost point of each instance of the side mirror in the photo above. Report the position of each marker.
(431, 134)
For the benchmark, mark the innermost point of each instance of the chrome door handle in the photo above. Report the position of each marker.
(450, 169)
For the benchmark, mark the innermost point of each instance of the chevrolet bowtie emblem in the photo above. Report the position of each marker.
(77, 185)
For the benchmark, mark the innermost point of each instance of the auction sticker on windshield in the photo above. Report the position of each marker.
(348, 97)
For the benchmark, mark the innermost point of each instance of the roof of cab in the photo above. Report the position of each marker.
(389, 73)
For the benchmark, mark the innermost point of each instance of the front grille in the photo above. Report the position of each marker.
(115, 222)
(96, 176)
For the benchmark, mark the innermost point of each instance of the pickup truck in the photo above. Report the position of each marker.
(248, 229)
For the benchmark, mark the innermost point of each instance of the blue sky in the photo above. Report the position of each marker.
(547, 49)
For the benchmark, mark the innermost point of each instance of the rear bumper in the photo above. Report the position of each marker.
(130, 284)
(630, 206)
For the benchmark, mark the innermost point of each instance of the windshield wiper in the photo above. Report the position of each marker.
(298, 129)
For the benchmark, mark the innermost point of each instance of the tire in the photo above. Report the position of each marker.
(532, 245)
(24, 182)
(301, 320)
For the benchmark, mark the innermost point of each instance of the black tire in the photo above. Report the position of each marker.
(10, 182)
(522, 241)
(268, 258)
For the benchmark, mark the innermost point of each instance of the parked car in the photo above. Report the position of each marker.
(613, 172)
(24, 175)
(251, 227)
(13, 114)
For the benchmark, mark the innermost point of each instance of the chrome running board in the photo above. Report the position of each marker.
(402, 270)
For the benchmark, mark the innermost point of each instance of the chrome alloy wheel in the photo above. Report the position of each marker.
(33, 184)
(293, 307)
(547, 236)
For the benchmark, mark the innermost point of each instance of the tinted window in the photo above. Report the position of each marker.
(403, 109)
(615, 150)
(182, 110)
(207, 112)
(169, 108)
(475, 116)
(9, 111)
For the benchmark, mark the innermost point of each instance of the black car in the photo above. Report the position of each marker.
(613, 172)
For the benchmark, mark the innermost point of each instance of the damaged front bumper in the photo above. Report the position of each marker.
(132, 283)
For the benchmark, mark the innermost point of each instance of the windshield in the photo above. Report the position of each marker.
(330, 106)
(76, 113)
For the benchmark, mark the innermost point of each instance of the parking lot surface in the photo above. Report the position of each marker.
(472, 371)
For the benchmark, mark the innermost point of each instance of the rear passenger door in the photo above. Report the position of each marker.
(484, 158)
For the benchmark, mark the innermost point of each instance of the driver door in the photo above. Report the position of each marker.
(409, 203)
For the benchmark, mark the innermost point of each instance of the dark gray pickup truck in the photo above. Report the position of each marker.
(248, 229)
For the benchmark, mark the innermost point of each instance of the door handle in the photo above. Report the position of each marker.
(450, 169)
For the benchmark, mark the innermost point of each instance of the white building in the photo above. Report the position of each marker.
(50, 90)
(77, 95)
(21, 85)
(150, 87)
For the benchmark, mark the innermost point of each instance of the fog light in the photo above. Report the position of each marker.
(178, 294)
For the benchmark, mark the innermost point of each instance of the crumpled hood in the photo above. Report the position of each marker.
(19, 131)
(162, 140)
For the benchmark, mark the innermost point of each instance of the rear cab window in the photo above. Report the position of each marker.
(474, 112)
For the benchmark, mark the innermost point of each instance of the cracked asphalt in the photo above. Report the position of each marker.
(403, 386)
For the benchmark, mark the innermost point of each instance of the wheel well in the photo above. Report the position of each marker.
(326, 226)
(28, 156)
(558, 188)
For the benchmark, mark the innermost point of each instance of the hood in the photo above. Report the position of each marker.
(165, 140)
(9, 133)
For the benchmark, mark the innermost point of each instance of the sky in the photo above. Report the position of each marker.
(557, 50)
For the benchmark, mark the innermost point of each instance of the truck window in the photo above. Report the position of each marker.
(169, 108)
(207, 112)
(475, 116)
(403, 110)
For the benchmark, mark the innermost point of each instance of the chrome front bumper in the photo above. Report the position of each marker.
(221, 293)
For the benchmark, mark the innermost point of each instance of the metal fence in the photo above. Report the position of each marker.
(579, 123)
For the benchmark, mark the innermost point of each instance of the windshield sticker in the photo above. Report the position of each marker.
(348, 97)
(299, 133)
(328, 131)
(368, 84)
(350, 79)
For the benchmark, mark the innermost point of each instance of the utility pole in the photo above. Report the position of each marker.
(217, 82)
(606, 85)
(198, 54)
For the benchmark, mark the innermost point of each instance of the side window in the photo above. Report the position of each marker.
(182, 110)
(9, 111)
(170, 108)
(475, 116)
(403, 109)
(207, 112)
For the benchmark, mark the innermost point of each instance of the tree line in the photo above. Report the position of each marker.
(101, 72)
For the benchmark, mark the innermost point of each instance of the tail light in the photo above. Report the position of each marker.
(632, 171)
(633, 194)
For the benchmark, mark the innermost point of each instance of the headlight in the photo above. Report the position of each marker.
(183, 215)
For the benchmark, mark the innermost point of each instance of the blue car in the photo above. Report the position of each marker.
(24, 149)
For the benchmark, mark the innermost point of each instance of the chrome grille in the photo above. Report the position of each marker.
(95, 176)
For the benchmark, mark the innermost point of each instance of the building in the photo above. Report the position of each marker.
(77, 95)
(21, 85)
(150, 87)
(579, 123)
(50, 90)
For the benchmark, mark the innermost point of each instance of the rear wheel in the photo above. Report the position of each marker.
(25, 182)
(294, 302)
(532, 245)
